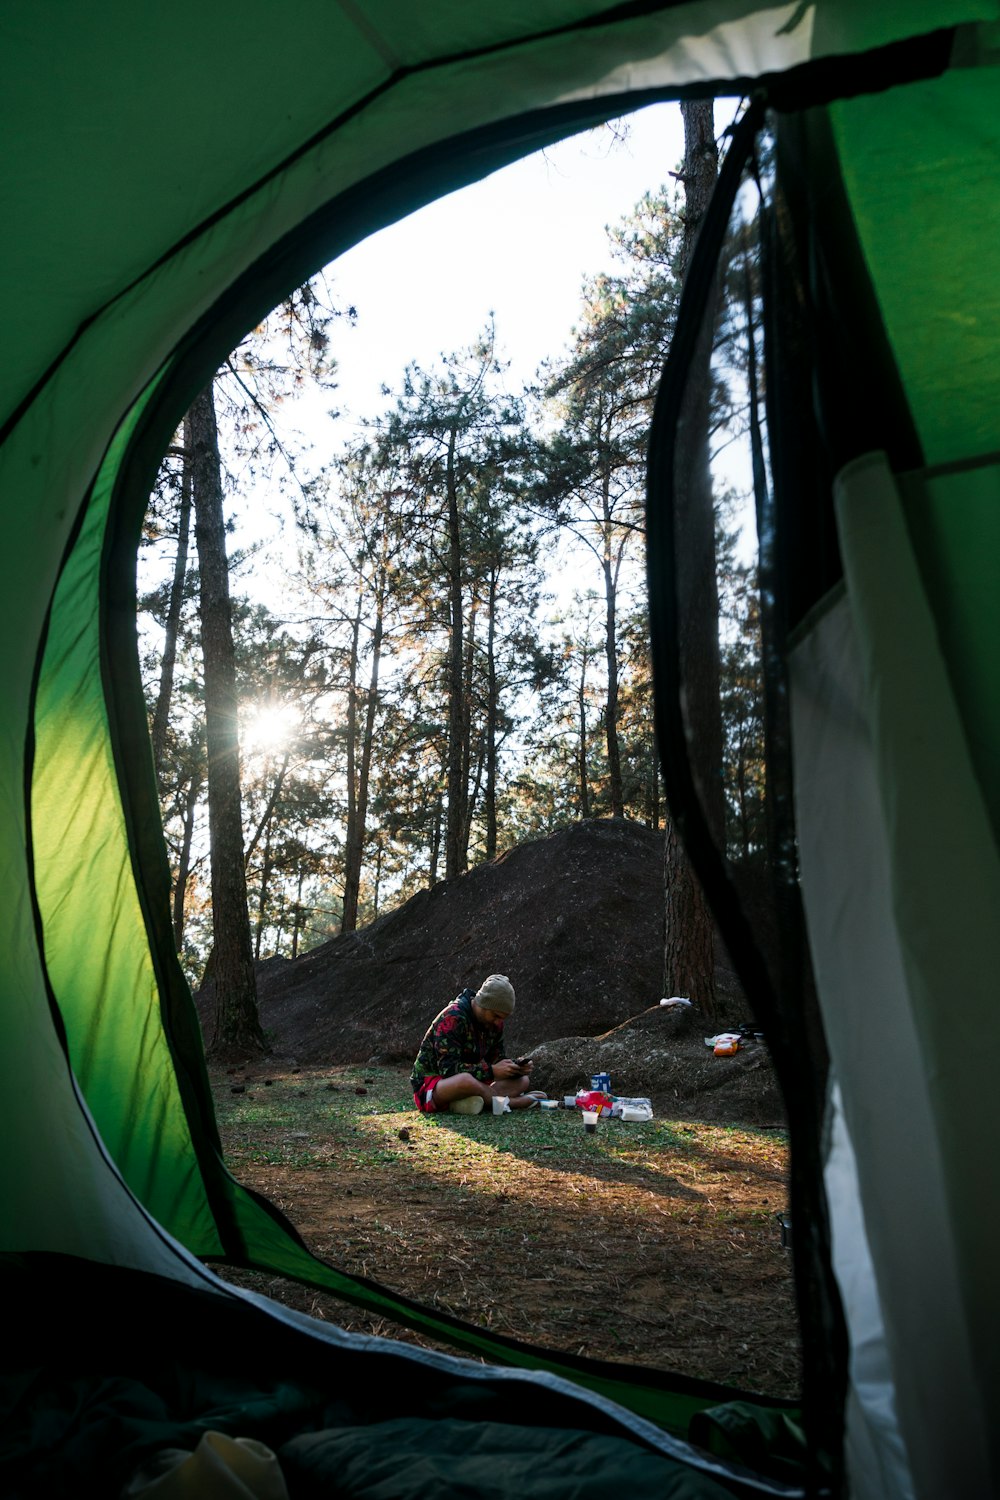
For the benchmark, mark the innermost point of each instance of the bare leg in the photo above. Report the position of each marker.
(459, 1086)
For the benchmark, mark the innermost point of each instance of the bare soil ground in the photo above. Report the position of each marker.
(656, 1244)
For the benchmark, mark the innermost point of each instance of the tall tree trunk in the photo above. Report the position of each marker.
(456, 655)
(265, 822)
(432, 875)
(352, 866)
(694, 501)
(237, 1025)
(472, 800)
(688, 950)
(609, 568)
(184, 862)
(377, 885)
(688, 964)
(582, 756)
(297, 916)
(471, 783)
(492, 716)
(354, 845)
(265, 880)
(611, 702)
(161, 714)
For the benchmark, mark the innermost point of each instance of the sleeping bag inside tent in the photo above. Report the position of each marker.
(168, 176)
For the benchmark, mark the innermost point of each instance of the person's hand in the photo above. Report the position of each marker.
(507, 1068)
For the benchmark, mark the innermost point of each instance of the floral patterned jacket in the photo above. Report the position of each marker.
(455, 1042)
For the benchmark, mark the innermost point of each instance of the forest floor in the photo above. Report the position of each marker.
(655, 1243)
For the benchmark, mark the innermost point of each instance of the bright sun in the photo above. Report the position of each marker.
(268, 727)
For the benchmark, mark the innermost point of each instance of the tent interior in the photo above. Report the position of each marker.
(170, 174)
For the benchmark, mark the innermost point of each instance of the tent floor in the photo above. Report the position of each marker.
(113, 1366)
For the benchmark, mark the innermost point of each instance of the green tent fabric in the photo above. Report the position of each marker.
(167, 175)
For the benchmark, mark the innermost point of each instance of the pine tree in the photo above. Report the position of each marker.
(237, 1025)
(453, 434)
(689, 960)
(593, 468)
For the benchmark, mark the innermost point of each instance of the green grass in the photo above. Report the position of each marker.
(306, 1124)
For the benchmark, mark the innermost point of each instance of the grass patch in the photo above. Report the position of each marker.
(653, 1242)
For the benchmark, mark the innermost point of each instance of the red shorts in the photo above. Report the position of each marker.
(424, 1097)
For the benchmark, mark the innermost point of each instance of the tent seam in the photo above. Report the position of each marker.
(369, 33)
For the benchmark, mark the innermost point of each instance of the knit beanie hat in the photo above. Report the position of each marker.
(496, 993)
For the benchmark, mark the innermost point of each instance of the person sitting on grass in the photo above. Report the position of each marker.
(460, 1066)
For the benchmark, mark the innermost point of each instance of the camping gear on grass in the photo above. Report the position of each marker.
(632, 1109)
(636, 1113)
(596, 1099)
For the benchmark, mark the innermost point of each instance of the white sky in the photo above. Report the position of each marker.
(519, 243)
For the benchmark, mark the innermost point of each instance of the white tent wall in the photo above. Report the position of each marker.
(898, 864)
(874, 1453)
(870, 1033)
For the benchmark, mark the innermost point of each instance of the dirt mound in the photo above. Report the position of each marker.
(576, 920)
(661, 1055)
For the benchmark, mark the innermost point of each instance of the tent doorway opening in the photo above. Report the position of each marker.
(337, 548)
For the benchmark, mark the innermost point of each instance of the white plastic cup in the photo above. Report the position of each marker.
(589, 1120)
(501, 1104)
